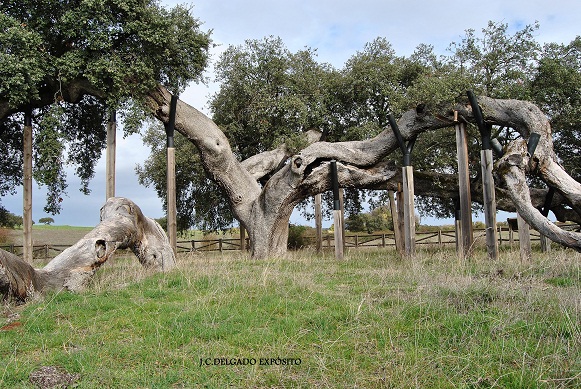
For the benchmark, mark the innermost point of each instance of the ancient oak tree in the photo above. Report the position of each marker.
(264, 210)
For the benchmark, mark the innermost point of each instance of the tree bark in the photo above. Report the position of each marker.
(122, 225)
(265, 210)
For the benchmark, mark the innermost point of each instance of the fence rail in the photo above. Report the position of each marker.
(439, 238)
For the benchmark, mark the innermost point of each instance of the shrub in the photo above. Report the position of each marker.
(296, 237)
(4, 235)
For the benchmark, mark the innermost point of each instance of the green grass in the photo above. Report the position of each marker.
(370, 321)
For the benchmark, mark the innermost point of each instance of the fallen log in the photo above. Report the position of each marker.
(122, 226)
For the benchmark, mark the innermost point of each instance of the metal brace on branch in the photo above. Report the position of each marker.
(406, 149)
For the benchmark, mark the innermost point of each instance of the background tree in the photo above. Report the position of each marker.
(493, 63)
(556, 88)
(74, 66)
(269, 95)
(46, 220)
(8, 219)
(378, 219)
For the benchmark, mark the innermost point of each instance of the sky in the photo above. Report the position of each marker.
(337, 29)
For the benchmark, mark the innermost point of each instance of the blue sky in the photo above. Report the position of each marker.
(337, 29)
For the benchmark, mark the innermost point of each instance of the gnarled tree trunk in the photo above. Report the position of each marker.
(122, 225)
(265, 211)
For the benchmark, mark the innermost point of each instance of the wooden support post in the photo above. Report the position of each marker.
(171, 177)
(338, 224)
(524, 239)
(400, 220)
(171, 198)
(27, 188)
(242, 238)
(319, 222)
(408, 189)
(110, 158)
(395, 216)
(342, 208)
(408, 210)
(486, 163)
(464, 187)
(546, 242)
(458, 235)
(337, 219)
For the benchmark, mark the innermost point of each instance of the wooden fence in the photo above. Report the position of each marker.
(438, 238)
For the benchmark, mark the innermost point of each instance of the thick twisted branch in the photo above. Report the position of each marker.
(122, 225)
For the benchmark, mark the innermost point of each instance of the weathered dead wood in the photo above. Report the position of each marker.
(512, 167)
(122, 225)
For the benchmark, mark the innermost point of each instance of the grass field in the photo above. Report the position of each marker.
(56, 235)
(308, 321)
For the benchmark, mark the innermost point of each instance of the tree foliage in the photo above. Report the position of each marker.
(270, 95)
(46, 220)
(8, 219)
(556, 88)
(72, 61)
(378, 219)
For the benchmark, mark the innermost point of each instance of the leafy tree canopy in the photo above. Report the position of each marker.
(270, 95)
(556, 88)
(378, 219)
(72, 61)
